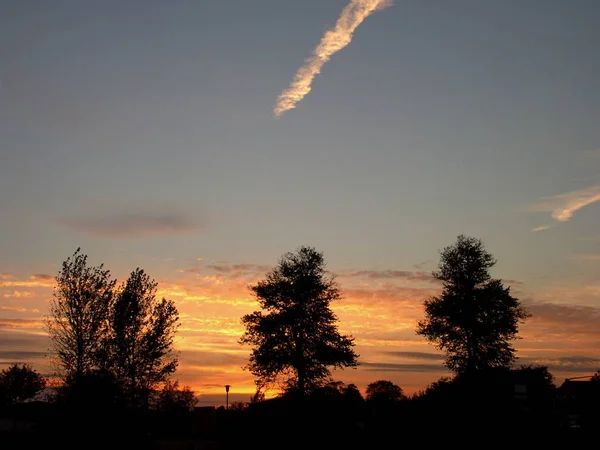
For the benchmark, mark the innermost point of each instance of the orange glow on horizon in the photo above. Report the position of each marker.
(380, 309)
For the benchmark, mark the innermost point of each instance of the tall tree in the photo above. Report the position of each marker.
(475, 318)
(19, 383)
(78, 315)
(140, 341)
(296, 337)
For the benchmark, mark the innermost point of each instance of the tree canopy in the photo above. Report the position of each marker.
(475, 318)
(117, 340)
(384, 391)
(139, 343)
(78, 311)
(295, 336)
(19, 383)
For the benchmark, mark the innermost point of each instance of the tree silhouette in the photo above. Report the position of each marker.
(475, 317)
(384, 391)
(139, 345)
(296, 338)
(352, 394)
(19, 383)
(172, 399)
(78, 312)
(95, 390)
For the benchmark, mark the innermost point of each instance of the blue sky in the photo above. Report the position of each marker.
(144, 132)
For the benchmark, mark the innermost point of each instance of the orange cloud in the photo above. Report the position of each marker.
(31, 324)
(18, 309)
(34, 281)
(18, 294)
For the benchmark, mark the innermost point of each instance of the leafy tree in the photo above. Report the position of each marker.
(348, 395)
(541, 390)
(95, 390)
(538, 376)
(352, 394)
(19, 383)
(78, 312)
(258, 396)
(440, 389)
(475, 317)
(139, 345)
(296, 337)
(238, 406)
(334, 387)
(172, 399)
(384, 391)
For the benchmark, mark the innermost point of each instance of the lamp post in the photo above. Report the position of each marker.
(227, 396)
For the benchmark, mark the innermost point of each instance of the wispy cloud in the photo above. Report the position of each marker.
(586, 257)
(417, 355)
(35, 281)
(21, 323)
(17, 294)
(567, 322)
(20, 355)
(332, 42)
(566, 364)
(405, 275)
(136, 224)
(564, 206)
(393, 367)
(11, 339)
(540, 228)
(42, 277)
(18, 309)
(239, 268)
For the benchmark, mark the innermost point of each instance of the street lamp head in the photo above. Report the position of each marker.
(227, 388)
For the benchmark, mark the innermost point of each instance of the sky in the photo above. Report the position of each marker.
(200, 140)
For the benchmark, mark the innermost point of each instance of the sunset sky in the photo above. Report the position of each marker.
(161, 135)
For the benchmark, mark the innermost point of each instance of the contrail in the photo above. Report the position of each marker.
(332, 42)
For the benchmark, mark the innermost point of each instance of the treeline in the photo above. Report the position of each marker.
(114, 356)
(476, 408)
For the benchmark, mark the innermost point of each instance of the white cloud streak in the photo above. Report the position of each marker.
(332, 42)
(564, 206)
(540, 228)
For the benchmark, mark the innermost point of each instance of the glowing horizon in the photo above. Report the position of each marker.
(379, 308)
